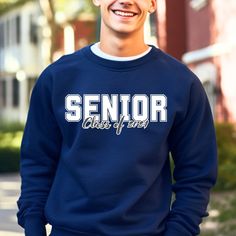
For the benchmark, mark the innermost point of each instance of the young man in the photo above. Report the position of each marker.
(101, 124)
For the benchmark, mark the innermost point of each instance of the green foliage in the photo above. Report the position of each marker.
(10, 139)
(226, 142)
(9, 160)
(10, 127)
(222, 212)
(86, 6)
(59, 5)
(6, 6)
(228, 213)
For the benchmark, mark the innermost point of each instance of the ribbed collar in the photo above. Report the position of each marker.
(118, 65)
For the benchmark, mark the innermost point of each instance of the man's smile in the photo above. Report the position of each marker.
(124, 13)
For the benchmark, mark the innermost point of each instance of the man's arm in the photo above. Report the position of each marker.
(40, 150)
(193, 148)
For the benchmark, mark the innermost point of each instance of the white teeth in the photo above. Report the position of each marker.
(121, 13)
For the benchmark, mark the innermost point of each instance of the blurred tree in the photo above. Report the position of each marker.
(48, 8)
(6, 5)
(59, 12)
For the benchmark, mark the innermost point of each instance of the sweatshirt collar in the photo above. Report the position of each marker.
(95, 48)
(118, 65)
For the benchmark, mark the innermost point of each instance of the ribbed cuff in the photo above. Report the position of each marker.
(173, 231)
(34, 225)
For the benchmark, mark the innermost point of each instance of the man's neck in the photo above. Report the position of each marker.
(122, 45)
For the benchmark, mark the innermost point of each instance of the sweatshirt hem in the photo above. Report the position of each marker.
(57, 231)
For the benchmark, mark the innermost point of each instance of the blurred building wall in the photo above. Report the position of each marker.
(25, 50)
(171, 27)
(225, 37)
(21, 59)
(208, 47)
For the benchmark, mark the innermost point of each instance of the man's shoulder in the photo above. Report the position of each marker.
(172, 67)
(69, 60)
(64, 65)
(168, 60)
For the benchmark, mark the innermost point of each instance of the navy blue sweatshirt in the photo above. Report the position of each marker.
(95, 154)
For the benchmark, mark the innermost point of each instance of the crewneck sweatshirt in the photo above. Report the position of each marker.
(95, 154)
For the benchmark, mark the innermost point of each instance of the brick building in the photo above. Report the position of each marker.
(202, 34)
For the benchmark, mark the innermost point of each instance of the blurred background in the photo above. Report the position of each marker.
(200, 33)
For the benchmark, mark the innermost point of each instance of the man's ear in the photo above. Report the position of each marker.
(96, 3)
(153, 6)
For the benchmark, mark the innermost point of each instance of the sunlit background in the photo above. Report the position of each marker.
(200, 33)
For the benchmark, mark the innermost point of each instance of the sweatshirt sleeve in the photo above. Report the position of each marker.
(40, 150)
(193, 148)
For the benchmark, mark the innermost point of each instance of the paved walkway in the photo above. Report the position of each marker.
(9, 194)
(9, 191)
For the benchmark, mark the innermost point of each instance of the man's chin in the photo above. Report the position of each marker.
(124, 32)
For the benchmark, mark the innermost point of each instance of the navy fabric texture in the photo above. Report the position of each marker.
(95, 154)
